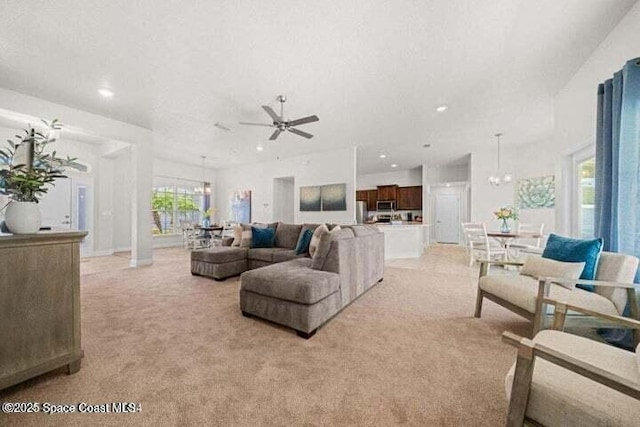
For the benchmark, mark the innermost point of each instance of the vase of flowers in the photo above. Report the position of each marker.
(206, 217)
(505, 214)
(26, 172)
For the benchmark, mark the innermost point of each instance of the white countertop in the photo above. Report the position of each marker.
(388, 225)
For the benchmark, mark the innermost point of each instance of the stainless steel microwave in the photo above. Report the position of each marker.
(385, 206)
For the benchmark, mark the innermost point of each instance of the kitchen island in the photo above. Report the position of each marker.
(406, 240)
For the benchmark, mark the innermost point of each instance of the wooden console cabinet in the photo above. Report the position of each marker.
(39, 304)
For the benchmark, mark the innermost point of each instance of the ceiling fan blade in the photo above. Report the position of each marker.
(304, 120)
(255, 124)
(223, 127)
(271, 113)
(299, 132)
(275, 135)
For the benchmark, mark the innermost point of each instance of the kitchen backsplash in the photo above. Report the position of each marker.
(401, 213)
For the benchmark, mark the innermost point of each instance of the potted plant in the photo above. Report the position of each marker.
(505, 214)
(27, 171)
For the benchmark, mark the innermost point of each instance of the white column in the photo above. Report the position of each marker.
(142, 180)
(103, 226)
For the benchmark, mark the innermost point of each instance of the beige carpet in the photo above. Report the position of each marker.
(407, 352)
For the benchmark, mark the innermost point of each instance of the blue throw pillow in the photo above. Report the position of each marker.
(262, 237)
(575, 250)
(303, 242)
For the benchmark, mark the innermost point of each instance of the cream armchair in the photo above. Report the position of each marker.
(524, 295)
(560, 379)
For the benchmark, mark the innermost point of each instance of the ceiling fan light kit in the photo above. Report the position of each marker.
(282, 125)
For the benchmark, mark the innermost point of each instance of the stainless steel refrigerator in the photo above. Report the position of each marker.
(361, 212)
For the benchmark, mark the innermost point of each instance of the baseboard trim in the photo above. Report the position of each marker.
(134, 263)
(105, 252)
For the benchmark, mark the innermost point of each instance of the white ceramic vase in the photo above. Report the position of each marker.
(23, 217)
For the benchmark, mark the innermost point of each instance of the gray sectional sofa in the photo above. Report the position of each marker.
(298, 291)
(303, 298)
(225, 261)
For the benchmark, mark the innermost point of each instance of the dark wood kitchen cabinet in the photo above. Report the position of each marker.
(368, 196)
(372, 199)
(409, 198)
(387, 193)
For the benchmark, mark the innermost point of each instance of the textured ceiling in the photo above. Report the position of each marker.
(373, 71)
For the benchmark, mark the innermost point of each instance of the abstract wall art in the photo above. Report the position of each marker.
(241, 206)
(537, 193)
(334, 197)
(310, 199)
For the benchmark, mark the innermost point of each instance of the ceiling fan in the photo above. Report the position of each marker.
(281, 124)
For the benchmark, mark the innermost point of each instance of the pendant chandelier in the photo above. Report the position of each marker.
(498, 178)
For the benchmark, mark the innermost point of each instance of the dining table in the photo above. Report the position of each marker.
(506, 238)
(209, 232)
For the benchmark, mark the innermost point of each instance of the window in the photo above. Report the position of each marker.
(177, 202)
(586, 196)
(583, 189)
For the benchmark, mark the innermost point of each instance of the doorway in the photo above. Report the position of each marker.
(284, 199)
(447, 218)
(69, 205)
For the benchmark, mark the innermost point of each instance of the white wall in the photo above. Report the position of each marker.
(100, 170)
(20, 107)
(522, 161)
(284, 201)
(575, 104)
(448, 173)
(403, 178)
(122, 201)
(575, 122)
(172, 169)
(331, 167)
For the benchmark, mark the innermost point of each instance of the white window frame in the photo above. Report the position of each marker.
(577, 158)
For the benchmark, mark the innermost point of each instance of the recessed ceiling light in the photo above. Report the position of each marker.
(394, 165)
(383, 156)
(259, 148)
(107, 93)
(442, 108)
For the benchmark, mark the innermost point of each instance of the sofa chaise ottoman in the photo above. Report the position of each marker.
(305, 293)
(219, 262)
(225, 261)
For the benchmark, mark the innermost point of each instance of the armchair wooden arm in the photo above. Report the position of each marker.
(561, 308)
(485, 263)
(572, 282)
(609, 379)
(543, 293)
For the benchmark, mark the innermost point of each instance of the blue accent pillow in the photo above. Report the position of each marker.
(262, 237)
(304, 241)
(575, 250)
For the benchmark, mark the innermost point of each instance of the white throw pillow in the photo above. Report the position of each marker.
(315, 239)
(324, 245)
(544, 267)
(237, 235)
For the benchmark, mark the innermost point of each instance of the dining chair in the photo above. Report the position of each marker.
(528, 245)
(195, 238)
(477, 240)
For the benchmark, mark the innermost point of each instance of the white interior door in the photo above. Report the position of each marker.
(55, 206)
(448, 218)
(82, 211)
(69, 205)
